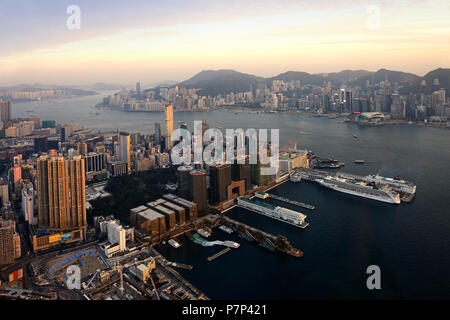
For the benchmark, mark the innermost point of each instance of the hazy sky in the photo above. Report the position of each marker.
(129, 40)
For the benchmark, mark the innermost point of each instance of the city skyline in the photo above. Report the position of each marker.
(173, 41)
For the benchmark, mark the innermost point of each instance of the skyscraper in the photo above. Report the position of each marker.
(6, 110)
(77, 192)
(125, 149)
(28, 203)
(61, 193)
(169, 126)
(219, 180)
(157, 133)
(138, 88)
(198, 193)
(9, 242)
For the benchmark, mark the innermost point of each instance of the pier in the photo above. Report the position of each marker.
(218, 254)
(297, 203)
(180, 265)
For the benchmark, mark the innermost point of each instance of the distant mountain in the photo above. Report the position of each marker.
(212, 82)
(304, 77)
(403, 78)
(349, 75)
(105, 86)
(444, 78)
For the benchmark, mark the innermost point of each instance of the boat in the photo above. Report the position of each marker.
(295, 177)
(359, 161)
(395, 183)
(261, 195)
(226, 229)
(174, 243)
(361, 189)
(355, 136)
(275, 212)
(204, 233)
(231, 244)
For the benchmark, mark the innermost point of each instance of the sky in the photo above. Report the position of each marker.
(151, 41)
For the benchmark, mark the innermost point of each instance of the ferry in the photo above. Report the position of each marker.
(226, 229)
(174, 243)
(231, 244)
(359, 161)
(361, 189)
(279, 213)
(204, 233)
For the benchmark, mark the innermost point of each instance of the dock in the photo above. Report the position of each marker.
(180, 265)
(297, 203)
(218, 254)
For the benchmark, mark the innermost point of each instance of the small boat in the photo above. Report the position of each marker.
(203, 232)
(226, 229)
(359, 161)
(355, 136)
(174, 243)
(231, 244)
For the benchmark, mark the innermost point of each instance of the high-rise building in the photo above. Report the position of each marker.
(219, 180)
(138, 88)
(198, 193)
(169, 126)
(184, 181)
(28, 203)
(61, 193)
(6, 111)
(40, 144)
(125, 149)
(9, 242)
(157, 133)
(77, 192)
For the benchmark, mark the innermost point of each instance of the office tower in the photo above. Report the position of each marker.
(184, 179)
(125, 149)
(82, 148)
(77, 192)
(4, 191)
(28, 203)
(9, 242)
(6, 111)
(65, 132)
(94, 162)
(157, 133)
(198, 193)
(135, 138)
(61, 192)
(387, 95)
(219, 180)
(169, 126)
(242, 172)
(349, 101)
(138, 88)
(40, 144)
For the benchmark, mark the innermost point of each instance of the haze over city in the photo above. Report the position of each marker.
(121, 42)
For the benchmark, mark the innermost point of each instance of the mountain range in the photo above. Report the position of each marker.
(214, 82)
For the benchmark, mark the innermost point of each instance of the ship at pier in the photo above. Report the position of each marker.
(279, 213)
(361, 189)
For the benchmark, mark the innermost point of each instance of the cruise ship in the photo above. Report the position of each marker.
(394, 183)
(361, 189)
(279, 213)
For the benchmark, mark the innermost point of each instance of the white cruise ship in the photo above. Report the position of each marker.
(361, 189)
(279, 213)
(395, 184)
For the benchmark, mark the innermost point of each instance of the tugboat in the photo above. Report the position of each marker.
(174, 243)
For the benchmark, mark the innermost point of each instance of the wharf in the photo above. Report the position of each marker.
(297, 203)
(218, 254)
(180, 265)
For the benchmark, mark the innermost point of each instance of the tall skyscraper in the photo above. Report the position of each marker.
(28, 203)
(169, 126)
(138, 88)
(219, 180)
(157, 133)
(9, 242)
(77, 192)
(125, 149)
(198, 193)
(6, 111)
(61, 193)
